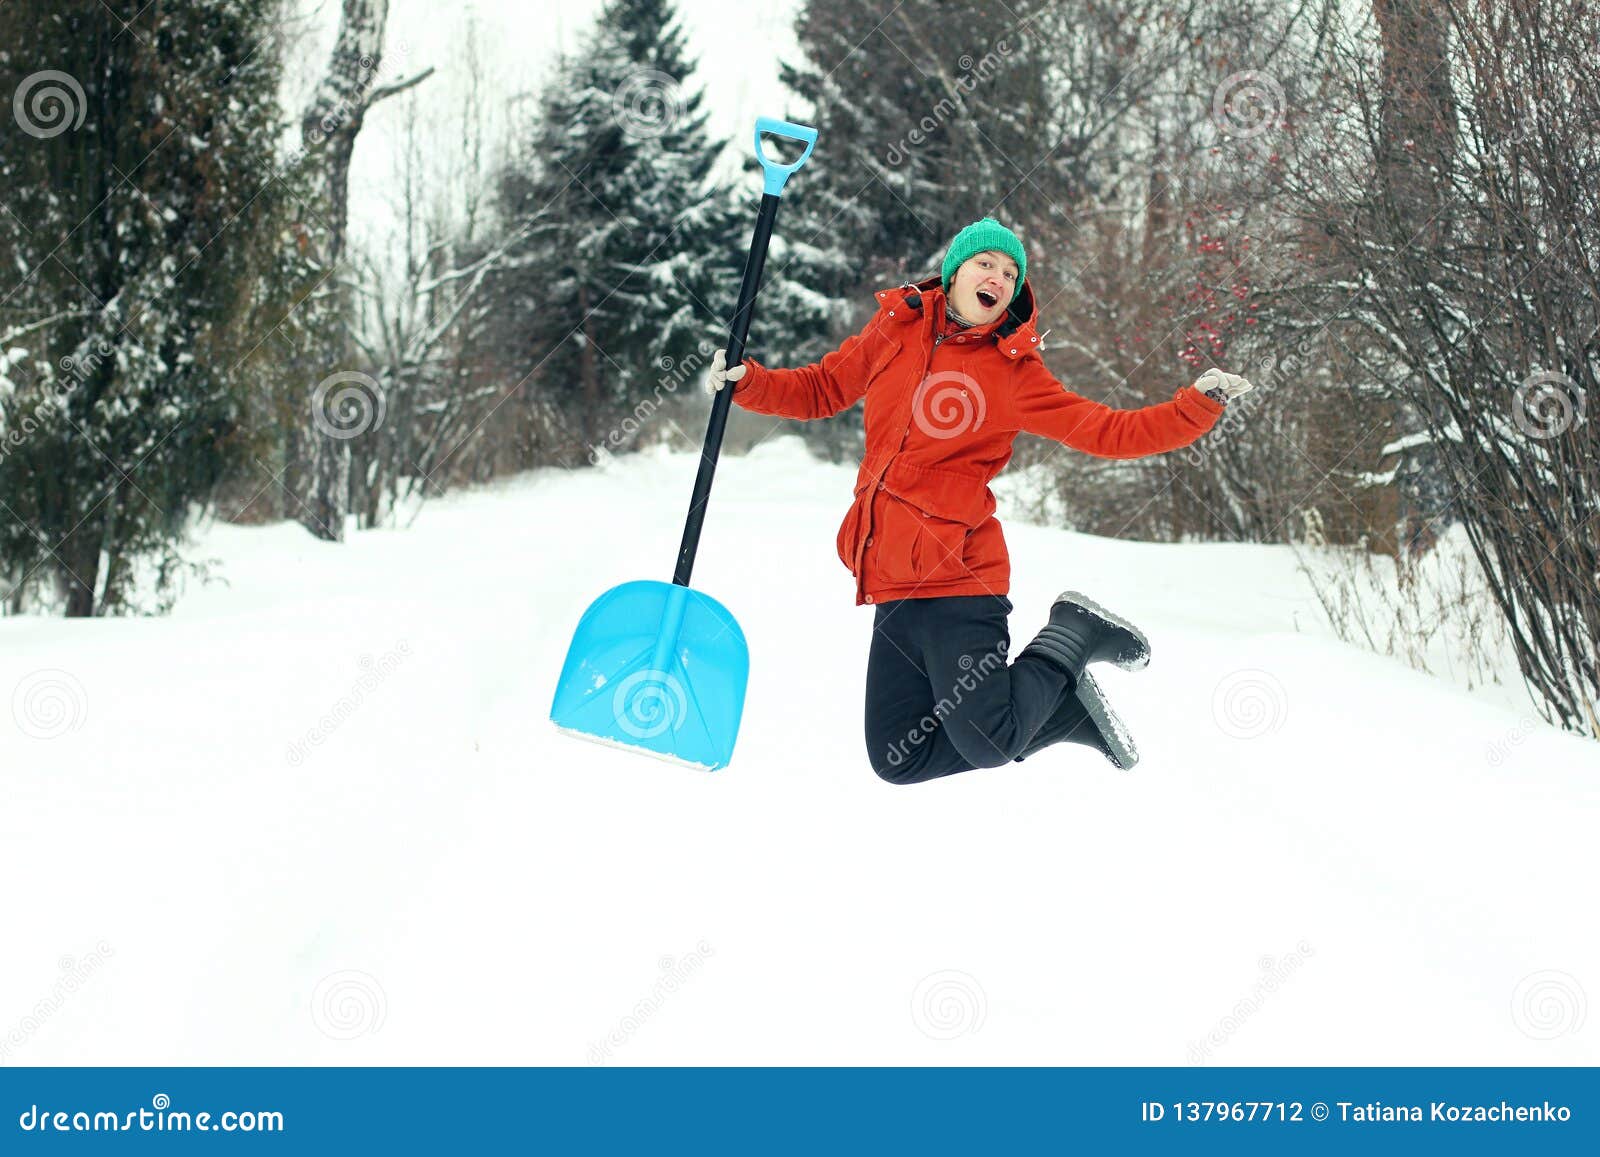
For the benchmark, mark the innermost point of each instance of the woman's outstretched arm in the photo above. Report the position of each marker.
(1047, 408)
(819, 390)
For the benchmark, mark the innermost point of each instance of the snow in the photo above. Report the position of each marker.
(1409, 442)
(319, 815)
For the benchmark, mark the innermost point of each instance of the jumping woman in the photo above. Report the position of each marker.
(951, 371)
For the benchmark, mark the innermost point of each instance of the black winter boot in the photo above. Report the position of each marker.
(1083, 716)
(1081, 632)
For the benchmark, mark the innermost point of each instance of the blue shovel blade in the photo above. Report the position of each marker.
(659, 668)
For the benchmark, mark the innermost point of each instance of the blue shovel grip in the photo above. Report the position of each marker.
(777, 174)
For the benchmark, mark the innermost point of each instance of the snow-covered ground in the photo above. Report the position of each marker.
(1324, 857)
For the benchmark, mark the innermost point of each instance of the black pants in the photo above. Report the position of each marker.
(941, 696)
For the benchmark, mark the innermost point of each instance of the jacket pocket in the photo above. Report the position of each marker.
(946, 494)
(914, 546)
(938, 552)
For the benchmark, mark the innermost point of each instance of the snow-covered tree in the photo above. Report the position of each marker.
(627, 262)
(137, 238)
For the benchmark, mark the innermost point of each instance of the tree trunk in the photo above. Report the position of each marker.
(79, 573)
(590, 377)
(317, 465)
(1415, 153)
(1416, 146)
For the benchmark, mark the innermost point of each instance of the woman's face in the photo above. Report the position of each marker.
(983, 286)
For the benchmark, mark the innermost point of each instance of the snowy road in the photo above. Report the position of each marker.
(1323, 857)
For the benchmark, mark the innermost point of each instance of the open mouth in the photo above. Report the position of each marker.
(987, 299)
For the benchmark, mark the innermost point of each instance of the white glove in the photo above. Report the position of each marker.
(720, 375)
(1231, 385)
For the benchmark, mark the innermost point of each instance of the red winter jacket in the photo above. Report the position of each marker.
(941, 415)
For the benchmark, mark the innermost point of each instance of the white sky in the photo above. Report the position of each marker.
(738, 45)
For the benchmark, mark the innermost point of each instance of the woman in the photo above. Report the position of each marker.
(951, 371)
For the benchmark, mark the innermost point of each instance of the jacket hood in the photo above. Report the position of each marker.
(1016, 335)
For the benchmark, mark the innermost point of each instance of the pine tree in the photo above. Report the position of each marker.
(137, 231)
(626, 269)
(935, 112)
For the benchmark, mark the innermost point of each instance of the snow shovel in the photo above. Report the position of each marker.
(657, 667)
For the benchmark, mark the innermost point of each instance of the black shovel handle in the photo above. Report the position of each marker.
(738, 331)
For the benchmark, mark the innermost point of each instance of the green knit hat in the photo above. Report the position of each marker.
(979, 237)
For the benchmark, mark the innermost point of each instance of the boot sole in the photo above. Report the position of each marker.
(1114, 741)
(1135, 660)
(1119, 744)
